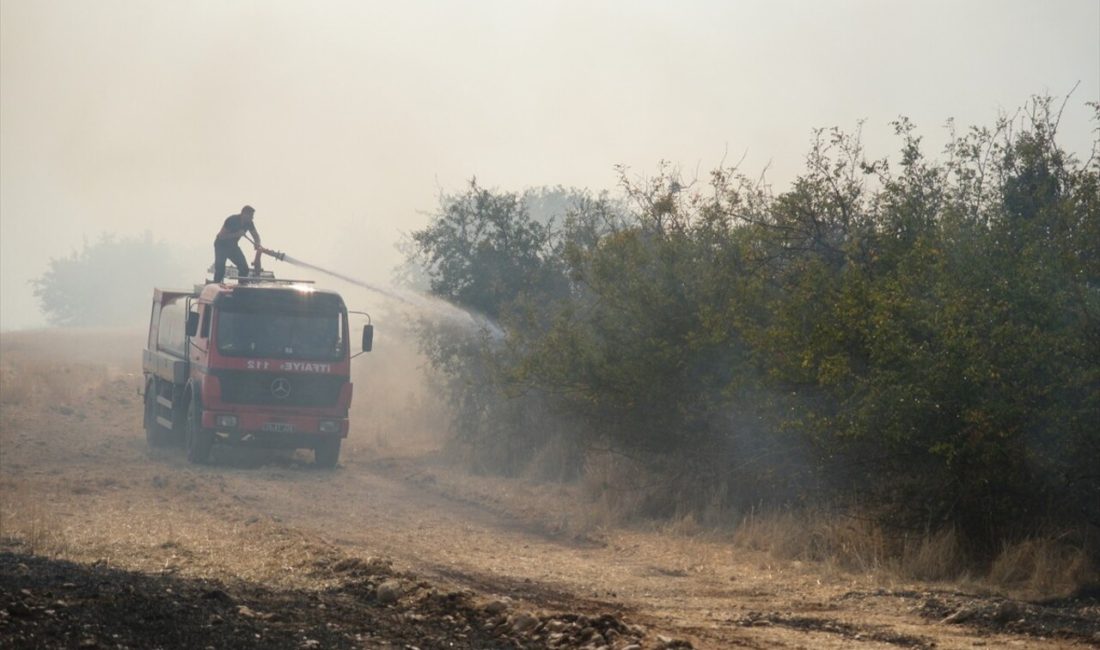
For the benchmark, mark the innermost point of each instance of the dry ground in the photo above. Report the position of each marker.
(108, 543)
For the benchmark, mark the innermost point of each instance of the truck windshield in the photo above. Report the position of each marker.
(281, 336)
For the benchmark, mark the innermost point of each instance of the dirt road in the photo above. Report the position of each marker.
(395, 548)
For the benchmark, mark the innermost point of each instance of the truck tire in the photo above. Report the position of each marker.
(155, 434)
(199, 439)
(327, 453)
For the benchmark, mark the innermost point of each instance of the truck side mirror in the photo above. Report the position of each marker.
(192, 323)
(368, 337)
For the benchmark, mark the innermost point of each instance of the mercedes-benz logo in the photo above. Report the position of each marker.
(280, 388)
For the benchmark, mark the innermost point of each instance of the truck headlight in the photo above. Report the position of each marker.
(330, 426)
(226, 421)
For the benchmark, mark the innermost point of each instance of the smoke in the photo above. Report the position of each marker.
(119, 116)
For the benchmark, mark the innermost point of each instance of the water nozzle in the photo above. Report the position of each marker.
(279, 255)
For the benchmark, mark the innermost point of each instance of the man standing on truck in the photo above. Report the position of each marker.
(226, 247)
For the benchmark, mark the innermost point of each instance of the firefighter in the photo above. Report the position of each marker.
(226, 247)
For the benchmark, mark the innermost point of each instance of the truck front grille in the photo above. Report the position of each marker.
(281, 389)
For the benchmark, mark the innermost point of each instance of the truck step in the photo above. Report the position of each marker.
(164, 422)
(164, 401)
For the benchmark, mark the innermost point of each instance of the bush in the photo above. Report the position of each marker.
(921, 338)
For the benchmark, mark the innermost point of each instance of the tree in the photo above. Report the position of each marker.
(922, 339)
(483, 251)
(107, 283)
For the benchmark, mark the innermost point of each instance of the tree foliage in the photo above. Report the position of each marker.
(920, 335)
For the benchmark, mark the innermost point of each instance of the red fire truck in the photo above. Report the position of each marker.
(260, 362)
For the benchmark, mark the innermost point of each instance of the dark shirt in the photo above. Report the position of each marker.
(232, 229)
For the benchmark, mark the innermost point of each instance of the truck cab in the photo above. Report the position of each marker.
(259, 362)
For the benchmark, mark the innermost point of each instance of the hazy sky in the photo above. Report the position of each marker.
(341, 121)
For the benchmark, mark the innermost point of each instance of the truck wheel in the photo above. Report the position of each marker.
(199, 440)
(326, 453)
(155, 434)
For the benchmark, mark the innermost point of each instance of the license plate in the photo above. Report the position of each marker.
(278, 427)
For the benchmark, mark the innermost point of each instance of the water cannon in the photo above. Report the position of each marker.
(257, 267)
(279, 255)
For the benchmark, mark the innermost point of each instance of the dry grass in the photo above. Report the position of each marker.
(612, 483)
(37, 530)
(936, 556)
(172, 539)
(59, 369)
(851, 544)
(1044, 566)
(623, 492)
(34, 384)
(1035, 568)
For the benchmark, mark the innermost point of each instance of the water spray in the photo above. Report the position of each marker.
(419, 301)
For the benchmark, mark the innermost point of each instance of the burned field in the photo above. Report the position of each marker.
(107, 542)
(55, 603)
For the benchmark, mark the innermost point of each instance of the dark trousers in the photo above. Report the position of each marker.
(229, 250)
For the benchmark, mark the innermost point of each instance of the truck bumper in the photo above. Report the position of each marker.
(257, 426)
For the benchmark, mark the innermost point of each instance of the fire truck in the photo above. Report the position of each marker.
(258, 361)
